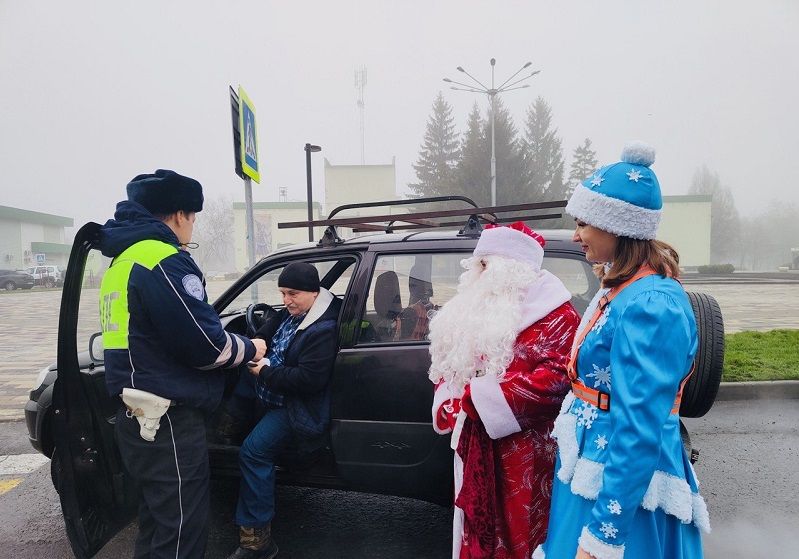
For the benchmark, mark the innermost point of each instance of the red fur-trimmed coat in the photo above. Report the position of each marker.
(504, 455)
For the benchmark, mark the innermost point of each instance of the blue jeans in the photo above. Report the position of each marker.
(257, 455)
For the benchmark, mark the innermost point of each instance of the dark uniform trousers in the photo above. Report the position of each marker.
(172, 473)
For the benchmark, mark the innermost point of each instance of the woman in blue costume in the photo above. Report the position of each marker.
(624, 487)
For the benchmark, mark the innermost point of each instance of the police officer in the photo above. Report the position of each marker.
(164, 346)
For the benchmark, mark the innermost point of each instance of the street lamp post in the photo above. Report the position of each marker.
(492, 93)
(309, 148)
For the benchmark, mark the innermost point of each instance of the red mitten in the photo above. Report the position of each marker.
(448, 414)
(467, 405)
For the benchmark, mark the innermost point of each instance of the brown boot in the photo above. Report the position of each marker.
(255, 543)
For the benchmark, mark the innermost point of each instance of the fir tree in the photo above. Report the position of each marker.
(543, 155)
(473, 175)
(511, 188)
(584, 162)
(439, 153)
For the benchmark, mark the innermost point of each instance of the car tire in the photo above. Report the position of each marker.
(9, 286)
(701, 389)
(49, 283)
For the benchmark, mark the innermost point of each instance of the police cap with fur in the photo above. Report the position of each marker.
(166, 192)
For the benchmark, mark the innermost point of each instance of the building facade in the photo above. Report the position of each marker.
(28, 238)
(685, 225)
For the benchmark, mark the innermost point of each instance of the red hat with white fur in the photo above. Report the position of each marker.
(516, 241)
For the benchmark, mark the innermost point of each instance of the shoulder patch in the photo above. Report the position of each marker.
(193, 286)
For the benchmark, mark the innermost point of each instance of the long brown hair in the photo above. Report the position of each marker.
(631, 254)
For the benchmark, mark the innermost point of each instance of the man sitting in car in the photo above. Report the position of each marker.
(290, 388)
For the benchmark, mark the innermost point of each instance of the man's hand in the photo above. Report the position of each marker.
(260, 349)
(255, 366)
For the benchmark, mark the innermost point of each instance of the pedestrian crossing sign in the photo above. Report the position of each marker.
(249, 137)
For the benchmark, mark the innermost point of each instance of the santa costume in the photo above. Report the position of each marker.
(499, 352)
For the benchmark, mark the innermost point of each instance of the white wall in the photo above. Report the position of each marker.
(685, 225)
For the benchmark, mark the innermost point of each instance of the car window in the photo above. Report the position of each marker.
(577, 275)
(404, 293)
(334, 274)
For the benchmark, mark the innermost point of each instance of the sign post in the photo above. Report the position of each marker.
(40, 258)
(245, 149)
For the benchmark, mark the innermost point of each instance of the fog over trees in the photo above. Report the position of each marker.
(530, 167)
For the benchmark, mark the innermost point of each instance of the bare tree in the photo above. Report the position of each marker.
(213, 231)
(725, 224)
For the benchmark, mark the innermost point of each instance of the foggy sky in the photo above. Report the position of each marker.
(95, 92)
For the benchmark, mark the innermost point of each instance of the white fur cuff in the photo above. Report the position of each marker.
(493, 408)
(539, 553)
(599, 549)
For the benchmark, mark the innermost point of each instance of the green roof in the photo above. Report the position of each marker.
(28, 216)
(276, 205)
(50, 248)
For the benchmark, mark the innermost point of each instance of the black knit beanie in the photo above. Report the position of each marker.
(299, 275)
(166, 192)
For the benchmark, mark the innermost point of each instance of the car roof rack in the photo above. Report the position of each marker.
(475, 217)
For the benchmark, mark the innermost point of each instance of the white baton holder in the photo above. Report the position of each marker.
(147, 408)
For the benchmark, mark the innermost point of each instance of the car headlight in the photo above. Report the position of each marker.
(40, 378)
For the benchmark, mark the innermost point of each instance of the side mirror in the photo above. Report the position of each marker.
(96, 347)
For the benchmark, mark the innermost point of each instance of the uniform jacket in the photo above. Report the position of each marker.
(175, 339)
(304, 377)
(631, 456)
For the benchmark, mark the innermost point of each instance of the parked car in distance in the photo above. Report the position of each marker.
(380, 438)
(47, 276)
(15, 279)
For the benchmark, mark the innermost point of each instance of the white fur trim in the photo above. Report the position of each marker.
(492, 407)
(701, 517)
(457, 513)
(587, 478)
(564, 431)
(612, 214)
(441, 396)
(320, 304)
(543, 296)
(510, 243)
(539, 553)
(638, 153)
(599, 549)
(670, 493)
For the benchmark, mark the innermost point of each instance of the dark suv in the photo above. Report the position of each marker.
(380, 438)
(15, 279)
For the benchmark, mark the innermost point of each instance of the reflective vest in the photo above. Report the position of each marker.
(114, 314)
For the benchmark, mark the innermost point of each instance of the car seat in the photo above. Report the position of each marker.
(388, 306)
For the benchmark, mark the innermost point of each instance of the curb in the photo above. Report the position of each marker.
(759, 390)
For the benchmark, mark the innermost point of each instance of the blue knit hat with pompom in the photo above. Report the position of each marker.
(622, 198)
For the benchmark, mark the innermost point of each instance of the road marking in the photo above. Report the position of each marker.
(7, 485)
(17, 464)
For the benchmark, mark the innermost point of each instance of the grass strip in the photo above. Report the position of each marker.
(772, 355)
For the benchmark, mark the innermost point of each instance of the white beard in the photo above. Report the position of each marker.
(476, 330)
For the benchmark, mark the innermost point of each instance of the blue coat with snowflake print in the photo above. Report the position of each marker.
(629, 458)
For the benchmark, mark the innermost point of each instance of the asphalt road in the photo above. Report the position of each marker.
(749, 469)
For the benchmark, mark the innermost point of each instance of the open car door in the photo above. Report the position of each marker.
(97, 499)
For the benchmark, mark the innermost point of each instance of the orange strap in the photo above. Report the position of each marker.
(591, 395)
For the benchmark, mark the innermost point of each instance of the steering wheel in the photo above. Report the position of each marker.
(255, 321)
